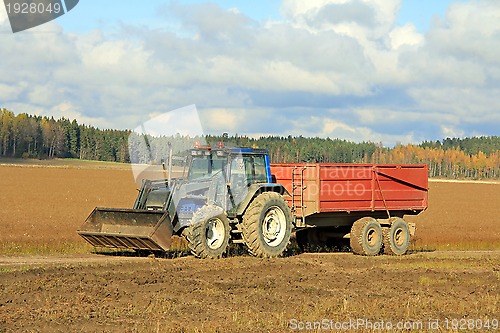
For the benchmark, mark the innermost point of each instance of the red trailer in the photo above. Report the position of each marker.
(363, 202)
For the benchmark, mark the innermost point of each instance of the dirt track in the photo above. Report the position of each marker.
(96, 293)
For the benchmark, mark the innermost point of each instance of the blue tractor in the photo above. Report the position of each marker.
(228, 196)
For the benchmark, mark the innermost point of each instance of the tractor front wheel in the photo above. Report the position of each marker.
(266, 226)
(209, 232)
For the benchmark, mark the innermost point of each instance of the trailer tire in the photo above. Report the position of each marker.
(397, 237)
(266, 225)
(366, 237)
(209, 233)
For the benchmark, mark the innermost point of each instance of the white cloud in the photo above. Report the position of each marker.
(384, 81)
(361, 19)
(10, 91)
(331, 126)
(3, 15)
(327, 126)
(222, 120)
(45, 95)
(405, 35)
(183, 121)
(450, 132)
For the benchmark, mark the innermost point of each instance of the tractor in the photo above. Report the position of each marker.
(228, 195)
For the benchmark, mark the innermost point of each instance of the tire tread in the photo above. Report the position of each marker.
(251, 220)
(195, 233)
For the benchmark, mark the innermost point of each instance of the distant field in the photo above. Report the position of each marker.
(44, 203)
(463, 216)
(463, 181)
(63, 163)
(42, 207)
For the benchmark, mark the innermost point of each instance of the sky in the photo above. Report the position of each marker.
(390, 71)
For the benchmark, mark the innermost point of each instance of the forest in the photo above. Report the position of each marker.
(28, 136)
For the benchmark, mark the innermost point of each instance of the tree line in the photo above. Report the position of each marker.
(28, 136)
(39, 137)
(472, 158)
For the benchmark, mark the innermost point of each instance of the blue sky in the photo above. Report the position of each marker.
(421, 12)
(92, 14)
(364, 70)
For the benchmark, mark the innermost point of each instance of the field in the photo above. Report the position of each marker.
(43, 206)
(51, 281)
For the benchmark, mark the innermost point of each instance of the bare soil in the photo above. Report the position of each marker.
(460, 216)
(44, 206)
(244, 294)
(48, 204)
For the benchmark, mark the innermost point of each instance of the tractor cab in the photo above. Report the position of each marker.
(239, 166)
(221, 176)
(204, 164)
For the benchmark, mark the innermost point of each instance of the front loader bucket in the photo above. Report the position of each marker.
(128, 228)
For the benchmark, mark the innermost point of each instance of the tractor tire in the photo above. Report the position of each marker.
(209, 233)
(266, 226)
(366, 237)
(397, 237)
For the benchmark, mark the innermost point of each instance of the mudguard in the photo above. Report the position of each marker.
(256, 189)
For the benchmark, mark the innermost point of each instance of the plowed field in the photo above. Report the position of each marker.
(50, 283)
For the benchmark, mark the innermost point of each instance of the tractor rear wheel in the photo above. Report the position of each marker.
(397, 237)
(366, 237)
(266, 225)
(208, 235)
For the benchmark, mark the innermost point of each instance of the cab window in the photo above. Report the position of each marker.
(260, 169)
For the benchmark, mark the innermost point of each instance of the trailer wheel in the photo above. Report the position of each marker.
(366, 237)
(266, 226)
(397, 237)
(208, 235)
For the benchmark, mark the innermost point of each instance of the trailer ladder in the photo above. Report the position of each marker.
(298, 188)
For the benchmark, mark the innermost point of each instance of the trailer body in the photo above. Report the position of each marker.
(327, 194)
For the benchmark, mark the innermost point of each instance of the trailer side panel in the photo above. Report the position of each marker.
(327, 188)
